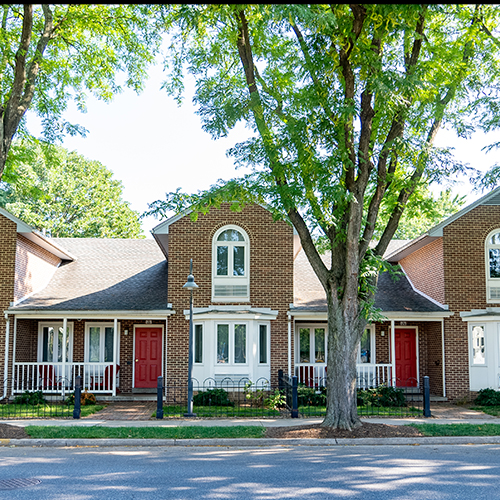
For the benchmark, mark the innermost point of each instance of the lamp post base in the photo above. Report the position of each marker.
(190, 414)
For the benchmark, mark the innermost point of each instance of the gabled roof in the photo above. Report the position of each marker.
(492, 198)
(393, 295)
(108, 275)
(38, 238)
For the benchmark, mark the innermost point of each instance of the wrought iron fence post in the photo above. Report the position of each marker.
(78, 397)
(295, 397)
(159, 398)
(281, 385)
(427, 397)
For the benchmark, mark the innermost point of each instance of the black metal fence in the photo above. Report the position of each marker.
(40, 405)
(289, 399)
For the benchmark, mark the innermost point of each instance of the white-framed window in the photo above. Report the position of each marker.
(231, 343)
(366, 349)
(312, 344)
(492, 248)
(478, 345)
(263, 344)
(99, 343)
(51, 342)
(198, 343)
(230, 265)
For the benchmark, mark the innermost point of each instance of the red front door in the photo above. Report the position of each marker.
(147, 356)
(406, 357)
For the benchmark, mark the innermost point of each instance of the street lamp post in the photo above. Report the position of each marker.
(190, 285)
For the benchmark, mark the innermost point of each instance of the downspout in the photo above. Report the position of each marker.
(443, 350)
(393, 353)
(165, 366)
(14, 345)
(115, 353)
(6, 361)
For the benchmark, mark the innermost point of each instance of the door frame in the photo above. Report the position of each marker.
(144, 325)
(417, 353)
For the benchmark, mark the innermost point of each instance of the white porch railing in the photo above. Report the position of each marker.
(368, 375)
(58, 378)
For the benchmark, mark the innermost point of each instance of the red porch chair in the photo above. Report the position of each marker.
(47, 378)
(106, 383)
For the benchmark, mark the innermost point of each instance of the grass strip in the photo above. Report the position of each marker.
(188, 432)
(489, 410)
(177, 411)
(12, 410)
(439, 430)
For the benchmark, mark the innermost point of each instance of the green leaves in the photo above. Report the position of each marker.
(65, 194)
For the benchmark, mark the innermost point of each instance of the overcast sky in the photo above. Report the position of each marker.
(154, 146)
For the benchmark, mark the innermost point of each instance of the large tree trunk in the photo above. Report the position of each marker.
(345, 328)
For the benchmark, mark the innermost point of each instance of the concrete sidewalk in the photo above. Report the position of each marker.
(441, 415)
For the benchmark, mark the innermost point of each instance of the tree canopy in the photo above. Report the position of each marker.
(67, 195)
(51, 54)
(343, 103)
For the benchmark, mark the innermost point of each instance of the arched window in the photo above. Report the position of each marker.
(493, 266)
(230, 265)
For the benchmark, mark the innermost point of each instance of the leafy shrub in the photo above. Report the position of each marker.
(488, 397)
(212, 397)
(389, 397)
(254, 396)
(86, 399)
(310, 396)
(30, 398)
(275, 400)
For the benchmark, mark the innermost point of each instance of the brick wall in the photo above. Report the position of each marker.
(271, 277)
(425, 268)
(8, 235)
(465, 287)
(34, 267)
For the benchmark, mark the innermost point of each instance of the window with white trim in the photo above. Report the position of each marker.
(230, 265)
(99, 343)
(198, 343)
(263, 344)
(312, 345)
(493, 266)
(231, 343)
(366, 349)
(51, 342)
(478, 346)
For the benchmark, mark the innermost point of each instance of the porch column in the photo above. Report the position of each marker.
(65, 337)
(393, 353)
(6, 361)
(115, 353)
(14, 343)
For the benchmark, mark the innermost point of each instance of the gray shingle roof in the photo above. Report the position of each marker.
(392, 295)
(108, 274)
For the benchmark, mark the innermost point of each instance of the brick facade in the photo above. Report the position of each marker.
(34, 267)
(8, 236)
(465, 287)
(271, 277)
(425, 269)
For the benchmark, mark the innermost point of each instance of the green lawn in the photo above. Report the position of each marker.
(44, 411)
(458, 429)
(365, 411)
(191, 432)
(177, 411)
(490, 410)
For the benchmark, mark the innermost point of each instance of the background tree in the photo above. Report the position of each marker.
(65, 194)
(53, 53)
(344, 102)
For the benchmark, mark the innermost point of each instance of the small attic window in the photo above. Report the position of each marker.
(493, 266)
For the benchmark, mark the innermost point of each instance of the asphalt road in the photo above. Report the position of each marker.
(299, 472)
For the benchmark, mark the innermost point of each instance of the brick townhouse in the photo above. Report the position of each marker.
(115, 312)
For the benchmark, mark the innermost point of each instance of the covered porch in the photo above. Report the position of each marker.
(114, 353)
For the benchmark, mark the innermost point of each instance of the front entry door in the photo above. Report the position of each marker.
(147, 356)
(406, 357)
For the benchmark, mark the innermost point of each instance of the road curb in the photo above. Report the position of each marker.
(251, 442)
